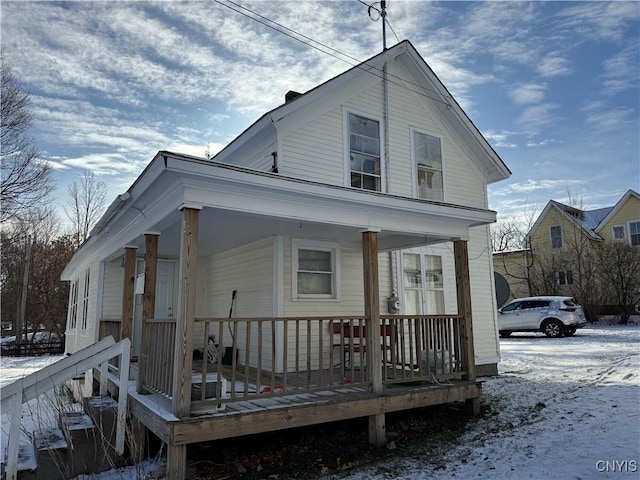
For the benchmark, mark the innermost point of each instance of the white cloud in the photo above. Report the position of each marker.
(599, 20)
(622, 70)
(534, 117)
(528, 93)
(499, 139)
(554, 65)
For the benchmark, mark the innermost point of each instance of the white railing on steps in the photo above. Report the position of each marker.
(12, 396)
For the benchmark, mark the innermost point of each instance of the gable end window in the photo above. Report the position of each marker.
(555, 233)
(634, 233)
(617, 232)
(364, 153)
(427, 150)
(315, 269)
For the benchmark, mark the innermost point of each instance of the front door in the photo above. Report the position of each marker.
(423, 284)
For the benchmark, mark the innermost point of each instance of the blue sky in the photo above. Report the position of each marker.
(553, 86)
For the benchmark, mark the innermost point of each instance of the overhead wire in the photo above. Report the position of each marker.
(230, 4)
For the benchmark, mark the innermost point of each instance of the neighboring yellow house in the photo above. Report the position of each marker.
(623, 221)
(557, 260)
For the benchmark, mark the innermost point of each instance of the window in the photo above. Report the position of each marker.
(423, 284)
(556, 236)
(564, 277)
(315, 269)
(428, 158)
(617, 232)
(85, 301)
(364, 153)
(634, 233)
(73, 306)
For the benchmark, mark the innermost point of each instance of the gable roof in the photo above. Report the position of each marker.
(590, 222)
(616, 208)
(426, 80)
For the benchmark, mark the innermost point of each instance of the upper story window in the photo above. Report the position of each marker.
(428, 159)
(634, 233)
(315, 269)
(555, 232)
(617, 232)
(364, 152)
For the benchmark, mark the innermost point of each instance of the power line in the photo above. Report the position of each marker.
(295, 36)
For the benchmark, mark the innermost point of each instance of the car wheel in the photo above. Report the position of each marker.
(553, 329)
(569, 332)
(505, 333)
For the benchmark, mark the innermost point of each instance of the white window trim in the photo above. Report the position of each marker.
(561, 237)
(72, 311)
(85, 300)
(624, 229)
(334, 248)
(629, 230)
(414, 162)
(347, 150)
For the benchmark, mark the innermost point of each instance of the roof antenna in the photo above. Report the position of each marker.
(382, 12)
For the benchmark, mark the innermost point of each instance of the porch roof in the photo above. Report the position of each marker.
(240, 205)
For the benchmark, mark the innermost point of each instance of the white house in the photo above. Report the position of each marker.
(369, 188)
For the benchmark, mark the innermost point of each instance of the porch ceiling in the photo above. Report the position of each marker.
(239, 206)
(221, 230)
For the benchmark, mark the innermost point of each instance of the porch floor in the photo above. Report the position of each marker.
(288, 409)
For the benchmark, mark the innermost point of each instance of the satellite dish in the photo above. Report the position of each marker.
(503, 292)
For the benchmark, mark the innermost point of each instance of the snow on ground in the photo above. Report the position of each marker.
(566, 408)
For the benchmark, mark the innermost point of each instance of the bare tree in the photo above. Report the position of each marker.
(85, 205)
(619, 274)
(26, 179)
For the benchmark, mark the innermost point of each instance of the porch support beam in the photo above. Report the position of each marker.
(126, 327)
(183, 360)
(372, 328)
(148, 301)
(463, 289)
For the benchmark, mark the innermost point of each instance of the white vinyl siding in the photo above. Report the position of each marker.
(483, 300)
(315, 150)
(250, 271)
(112, 288)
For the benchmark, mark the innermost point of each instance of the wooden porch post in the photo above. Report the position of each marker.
(372, 327)
(148, 301)
(183, 360)
(126, 327)
(463, 288)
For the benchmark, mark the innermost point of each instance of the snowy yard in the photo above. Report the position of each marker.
(566, 408)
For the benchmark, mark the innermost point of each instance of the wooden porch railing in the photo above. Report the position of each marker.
(242, 358)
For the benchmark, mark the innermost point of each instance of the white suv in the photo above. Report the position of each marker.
(554, 316)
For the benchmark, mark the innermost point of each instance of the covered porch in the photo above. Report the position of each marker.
(270, 372)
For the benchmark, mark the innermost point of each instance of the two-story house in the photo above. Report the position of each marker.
(560, 256)
(331, 262)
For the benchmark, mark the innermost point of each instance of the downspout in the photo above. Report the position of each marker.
(385, 120)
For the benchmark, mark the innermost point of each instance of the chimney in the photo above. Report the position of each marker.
(291, 95)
